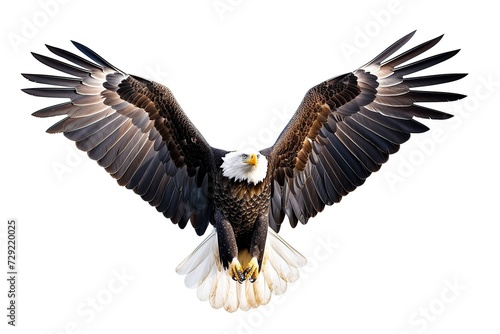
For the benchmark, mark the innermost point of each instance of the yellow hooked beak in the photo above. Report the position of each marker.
(252, 160)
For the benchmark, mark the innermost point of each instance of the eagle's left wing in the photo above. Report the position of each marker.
(346, 127)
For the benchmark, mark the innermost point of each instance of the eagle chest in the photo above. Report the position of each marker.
(242, 203)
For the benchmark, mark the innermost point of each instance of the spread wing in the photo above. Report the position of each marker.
(135, 130)
(346, 128)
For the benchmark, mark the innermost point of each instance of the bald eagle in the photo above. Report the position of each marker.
(344, 129)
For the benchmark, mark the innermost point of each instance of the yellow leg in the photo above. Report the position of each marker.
(252, 270)
(236, 271)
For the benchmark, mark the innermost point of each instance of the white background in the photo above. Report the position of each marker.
(426, 221)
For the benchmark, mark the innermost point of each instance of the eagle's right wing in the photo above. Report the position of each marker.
(135, 129)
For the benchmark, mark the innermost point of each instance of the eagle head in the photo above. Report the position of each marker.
(246, 165)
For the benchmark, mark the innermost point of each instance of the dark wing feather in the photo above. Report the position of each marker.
(135, 129)
(346, 127)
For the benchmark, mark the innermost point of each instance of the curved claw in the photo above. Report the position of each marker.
(252, 270)
(236, 271)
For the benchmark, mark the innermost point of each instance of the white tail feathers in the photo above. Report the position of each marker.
(205, 272)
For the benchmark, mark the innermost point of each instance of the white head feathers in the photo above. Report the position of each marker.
(246, 165)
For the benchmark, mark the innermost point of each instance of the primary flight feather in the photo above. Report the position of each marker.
(344, 129)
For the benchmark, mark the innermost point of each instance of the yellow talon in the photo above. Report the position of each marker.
(236, 271)
(252, 270)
